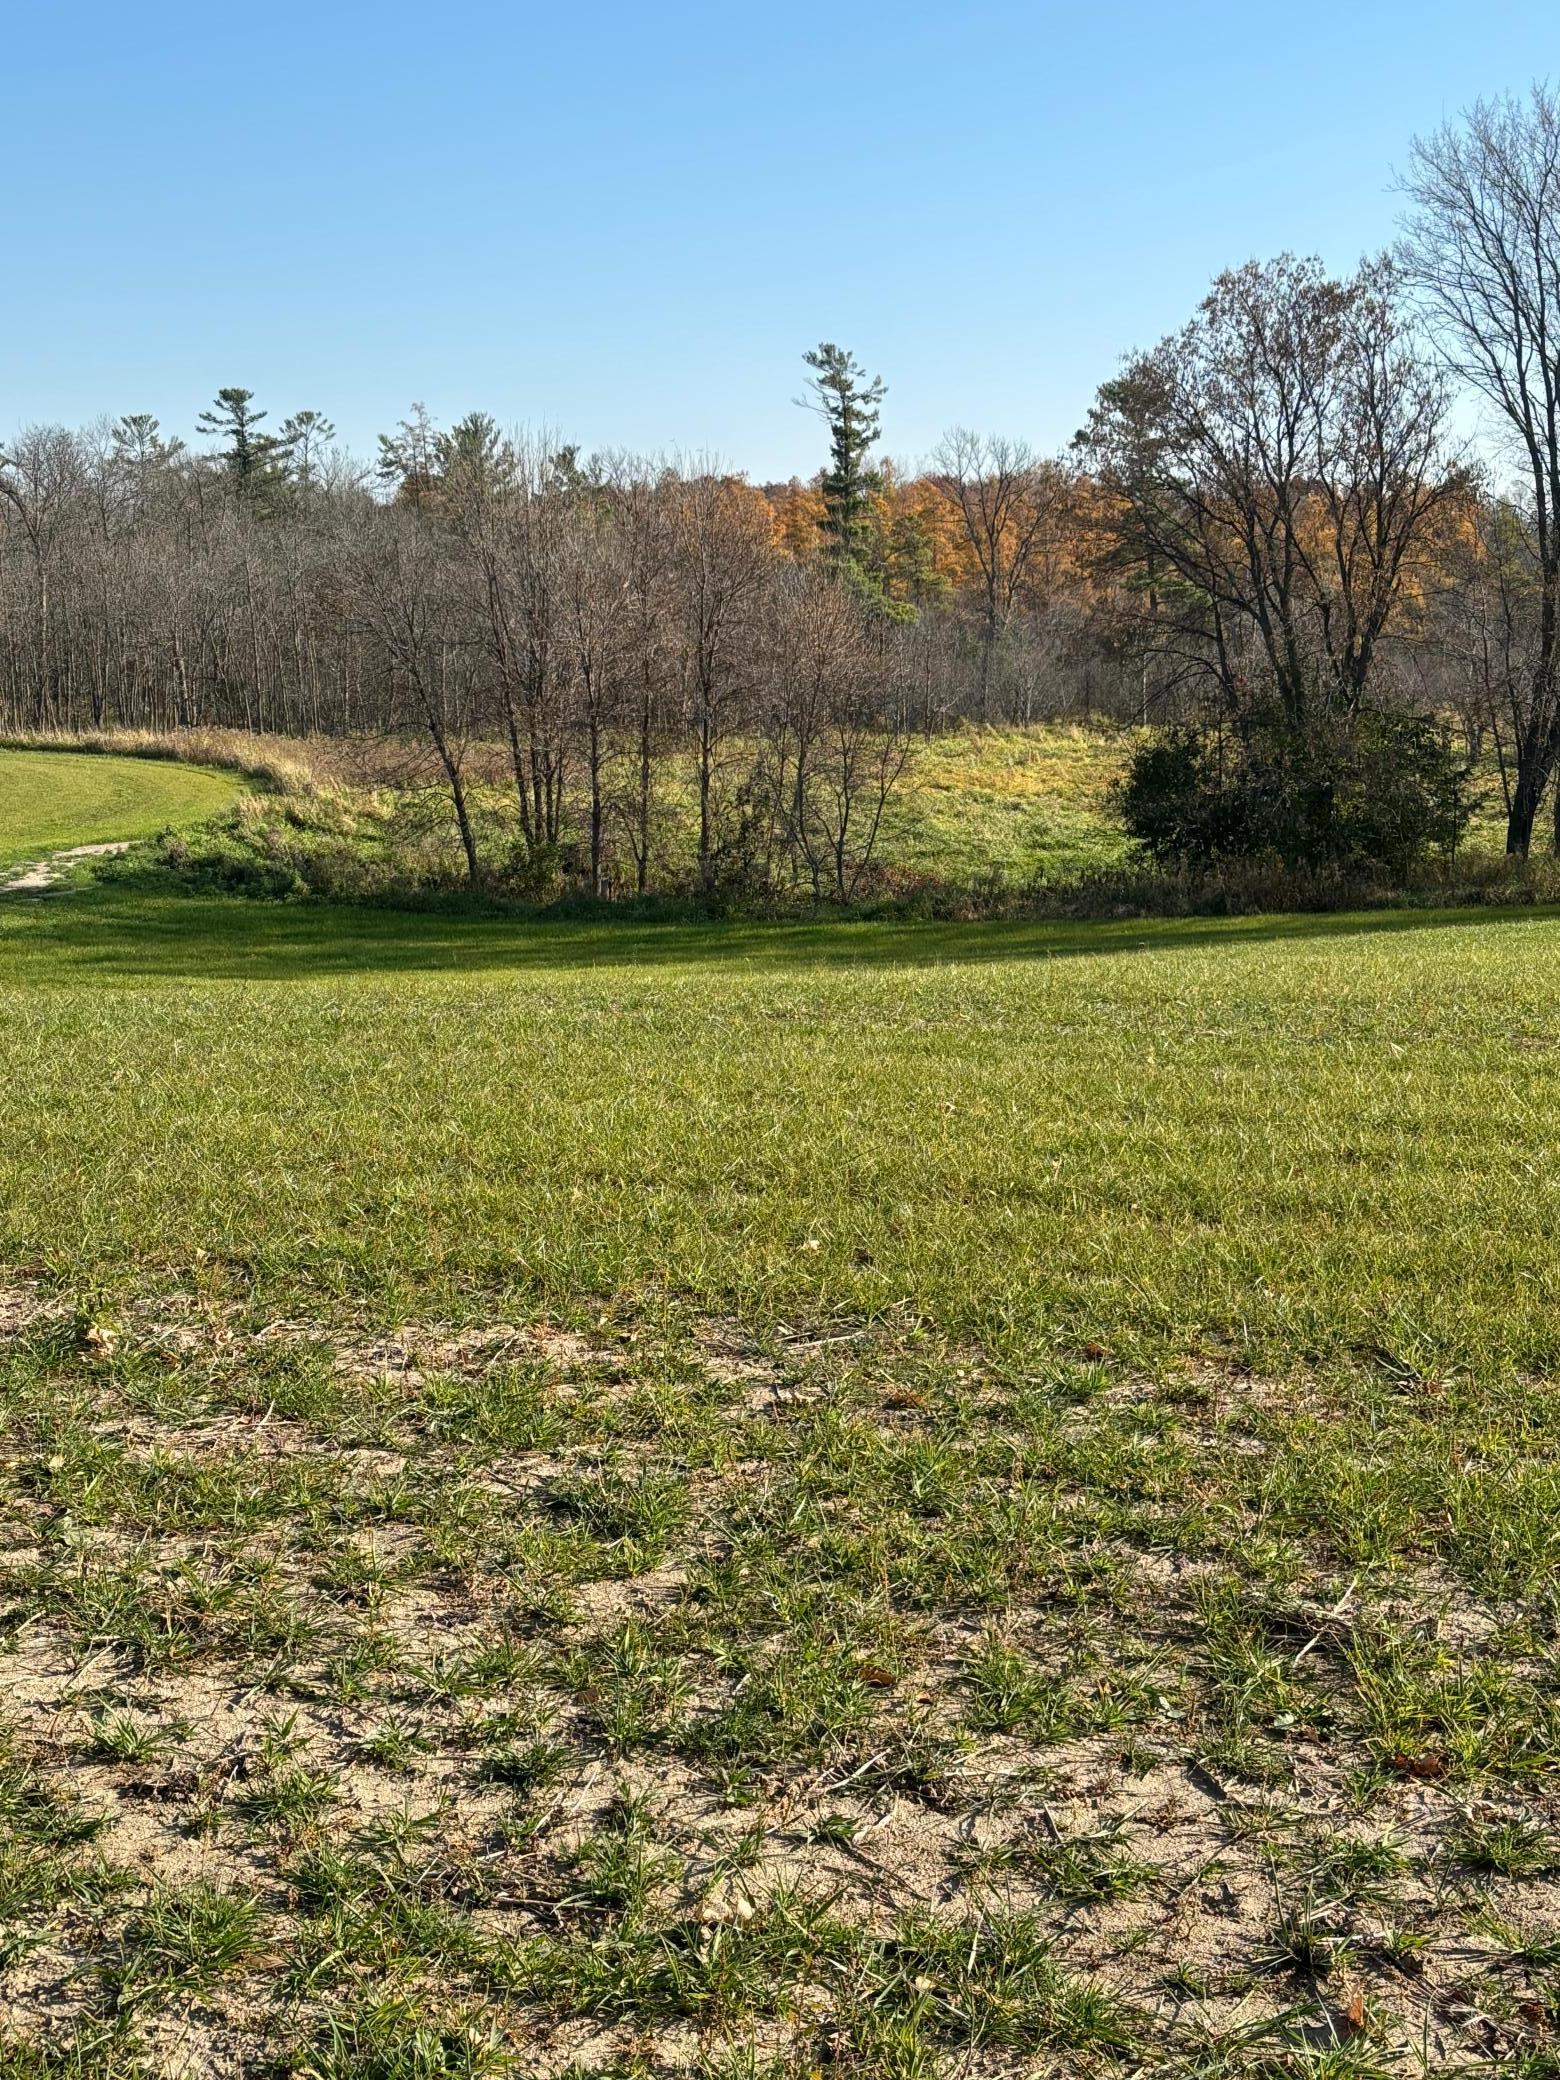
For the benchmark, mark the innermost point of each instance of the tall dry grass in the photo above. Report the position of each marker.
(282, 764)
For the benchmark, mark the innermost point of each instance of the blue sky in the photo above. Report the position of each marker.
(628, 222)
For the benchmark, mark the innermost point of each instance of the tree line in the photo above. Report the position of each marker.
(1269, 540)
(591, 614)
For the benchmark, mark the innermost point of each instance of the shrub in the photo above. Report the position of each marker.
(1360, 793)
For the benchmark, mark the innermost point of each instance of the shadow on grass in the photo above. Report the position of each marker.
(119, 936)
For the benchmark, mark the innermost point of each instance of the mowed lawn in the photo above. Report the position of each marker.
(913, 1503)
(50, 800)
(1297, 1137)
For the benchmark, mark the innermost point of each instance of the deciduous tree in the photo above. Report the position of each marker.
(1483, 248)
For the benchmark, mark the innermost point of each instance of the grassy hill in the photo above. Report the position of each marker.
(976, 810)
(53, 799)
(1025, 804)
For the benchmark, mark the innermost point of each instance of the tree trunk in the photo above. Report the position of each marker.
(597, 817)
(1525, 798)
(706, 759)
(645, 720)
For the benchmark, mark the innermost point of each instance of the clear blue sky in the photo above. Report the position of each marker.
(627, 222)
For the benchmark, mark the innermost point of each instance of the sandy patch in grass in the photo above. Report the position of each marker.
(519, 1673)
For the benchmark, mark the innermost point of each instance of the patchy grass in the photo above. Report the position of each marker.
(662, 1696)
(912, 1502)
(53, 799)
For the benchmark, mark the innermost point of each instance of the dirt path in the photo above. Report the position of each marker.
(44, 873)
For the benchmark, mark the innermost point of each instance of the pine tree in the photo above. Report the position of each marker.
(141, 453)
(409, 462)
(848, 404)
(253, 459)
(476, 451)
(303, 441)
(138, 439)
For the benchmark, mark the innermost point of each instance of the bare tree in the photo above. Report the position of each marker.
(406, 595)
(1007, 502)
(1483, 247)
(508, 512)
(642, 508)
(1486, 633)
(834, 738)
(1298, 463)
(595, 602)
(43, 481)
(723, 553)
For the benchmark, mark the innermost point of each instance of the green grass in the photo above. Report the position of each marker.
(906, 1501)
(1024, 805)
(978, 812)
(1294, 1138)
(53, 799)
(1019, 804)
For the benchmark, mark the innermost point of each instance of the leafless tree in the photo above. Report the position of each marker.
(833, 737)
(642, 510)
(723, 553)
(1483, 645)
(407, 597)
(43, 481)
(1483, 248)
(595, 586)
(1298, 464)
(1008, 502)
(508, 519)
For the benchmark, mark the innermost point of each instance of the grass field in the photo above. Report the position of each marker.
(984, 822)
(50, 800)
(777, 1501)
(1277, 1131)
(978, 811)
(1027, 805)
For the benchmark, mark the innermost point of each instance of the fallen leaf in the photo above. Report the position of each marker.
(1426, 1766)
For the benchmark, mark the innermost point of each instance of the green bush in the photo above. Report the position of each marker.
(1358, 793)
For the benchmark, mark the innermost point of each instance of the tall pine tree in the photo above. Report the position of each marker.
(252, 459)
(849, 405)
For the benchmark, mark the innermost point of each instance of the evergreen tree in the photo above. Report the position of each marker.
(138, 439)
(409, 460)
(141, 453)
(303, 440)
(910, 561)
(253, 459)
(475, 450)
(848, 404)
